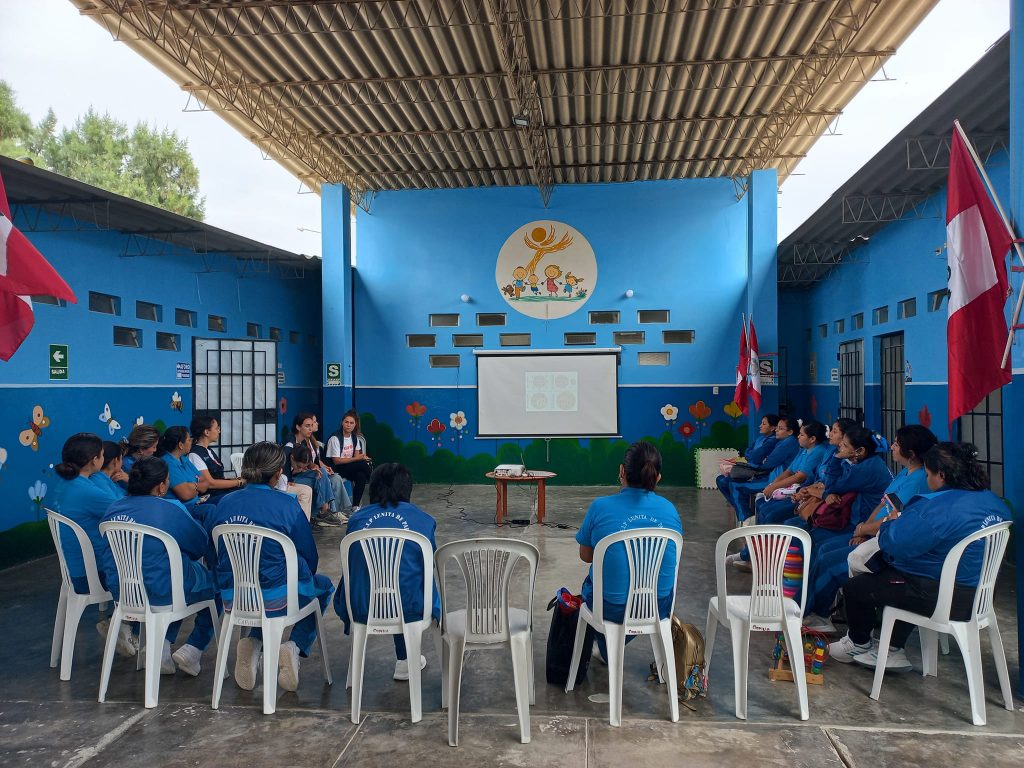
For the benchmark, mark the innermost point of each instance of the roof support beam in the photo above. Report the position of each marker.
(880, 209)
(927, 153)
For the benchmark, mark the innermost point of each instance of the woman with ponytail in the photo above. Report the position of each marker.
(636, 505)
(186, 485)
(914, 543)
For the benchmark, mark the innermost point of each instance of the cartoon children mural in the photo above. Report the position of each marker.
(571, 282)
(552, 272)
(533, 280)
(518, 280)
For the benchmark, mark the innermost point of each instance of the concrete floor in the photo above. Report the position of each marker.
(918, 721)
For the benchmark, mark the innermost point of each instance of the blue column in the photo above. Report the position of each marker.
(336, 290)
(762, 275)
(1013, 395)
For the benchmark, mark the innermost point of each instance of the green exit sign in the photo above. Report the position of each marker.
(58, 362)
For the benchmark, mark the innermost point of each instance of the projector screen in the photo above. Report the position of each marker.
(547, 393)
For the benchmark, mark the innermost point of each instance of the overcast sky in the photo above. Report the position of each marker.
(54, 57)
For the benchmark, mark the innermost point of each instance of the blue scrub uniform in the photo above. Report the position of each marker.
(758, 450)
(738, 494)
(102, 481)
(86, 503)
(184, 471)
(410, 573)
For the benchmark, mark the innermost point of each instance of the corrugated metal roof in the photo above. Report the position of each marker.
(898, 181)
(405, 94)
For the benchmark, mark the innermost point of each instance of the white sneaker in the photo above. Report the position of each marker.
(189, 659)
(896, 661)
(127, 643)
(288, 667)
(595, 655)
(845, 650)
(247, 662)
(738, 563)
(402, 668)
(815, 623)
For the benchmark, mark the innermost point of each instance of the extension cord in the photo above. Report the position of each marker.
(519, 521)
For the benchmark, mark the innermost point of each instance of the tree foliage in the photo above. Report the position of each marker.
(144, 163)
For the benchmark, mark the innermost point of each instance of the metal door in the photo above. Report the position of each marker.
(894, 389)
(851, 380)
(984, 427)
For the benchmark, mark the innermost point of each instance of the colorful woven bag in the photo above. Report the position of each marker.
(792, 571)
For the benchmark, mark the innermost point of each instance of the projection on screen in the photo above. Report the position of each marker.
(547, 394)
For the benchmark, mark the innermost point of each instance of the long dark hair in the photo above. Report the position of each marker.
(145, 475)
(959, 465)
(200, 423)
(171, 439)
(390, 485)
(862, 437)
(915, 439)
(111, 452)
(355, 415)
(300, 417)
(816, 430)
(642, 466)
(78, 451)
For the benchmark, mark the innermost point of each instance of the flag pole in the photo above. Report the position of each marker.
(1009, 230)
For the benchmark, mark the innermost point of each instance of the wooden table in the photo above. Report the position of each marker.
(540, 477)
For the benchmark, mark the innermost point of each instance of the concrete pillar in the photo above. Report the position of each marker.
(336, 290)
(762, 276)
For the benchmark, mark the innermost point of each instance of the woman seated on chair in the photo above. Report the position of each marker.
(206, 431)
(389, 507)
(259, 503)
(786, 447)
(186, 485)
(914, 544)
(111, 476)
(147, 504)
(141, 441)
(347, 451)
(758, 450)
(636, 505)
(831, 469)
(76, 497)
(330, 487)
(829, 568)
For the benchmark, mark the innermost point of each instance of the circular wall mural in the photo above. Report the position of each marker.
(546, 269)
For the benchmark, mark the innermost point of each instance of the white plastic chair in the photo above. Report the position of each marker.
(71, 604)
(645, 549)
(244, 543)
(236, 463)
(967, 633)
(382, 551)
(765, 609)
(488, 623)
(126, 540)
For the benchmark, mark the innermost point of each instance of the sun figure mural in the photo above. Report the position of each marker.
(534, 281)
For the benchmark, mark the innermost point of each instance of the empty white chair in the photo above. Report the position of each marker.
(967, 633)
(236, 463)
(382, 551)
(487, 623)
(126, 540)
(244, 543)
(71, 604)
(765, 609)
(645, 549)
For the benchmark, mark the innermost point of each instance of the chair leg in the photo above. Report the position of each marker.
(227, 630)
(710, 630)
(659, 657)
(888, 622)
(456, 658)
(72, 616)
(156, 628)
(615, 641)
(577, 650)
(999, 657)
(108, 654)
(521, 678)
(272, 635)
(58, 626)
(969, 639)
(355, 667)
(929, 651)
(794, 644)
(740, 632)
(944, 643)
(529, 659)
(664, 639)
(443, 654)
(323, 646)
(413, 644)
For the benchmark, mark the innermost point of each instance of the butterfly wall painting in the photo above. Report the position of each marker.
(30, 437)
(176, 403)
(107, 419)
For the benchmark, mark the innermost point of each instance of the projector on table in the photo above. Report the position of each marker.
(509, 470)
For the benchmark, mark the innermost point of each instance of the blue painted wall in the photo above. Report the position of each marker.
(679, 245)
(135, 382)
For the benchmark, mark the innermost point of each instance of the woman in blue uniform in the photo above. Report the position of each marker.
(914, 544)
(147, 504)
(141, 441)
(756, 452)
(783, 452)
(111, 478)
(260, 503)
(389, 507)
(186, 485)
(636, 505)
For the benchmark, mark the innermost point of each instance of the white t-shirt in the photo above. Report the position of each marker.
(343, 449)
(197, 462)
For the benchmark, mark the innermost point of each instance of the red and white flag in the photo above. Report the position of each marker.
(976, 242)
(754, 366)
(16, 321)
(740, 395)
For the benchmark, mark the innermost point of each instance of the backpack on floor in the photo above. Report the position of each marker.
(565, 608)
(688, 649)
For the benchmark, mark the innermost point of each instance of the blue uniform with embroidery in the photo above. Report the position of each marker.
(408, 517)
(758, 450)
(807, 461)
(261, 505)
(102, 481)
(86, 503)
(868, 479)
(171, 517)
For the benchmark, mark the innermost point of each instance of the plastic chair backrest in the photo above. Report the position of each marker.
(244, 544)
(236, 463)
(56, 520)
(995, 539)
(645, 549)
(768, 546)
(487, 566)
(126, 540)
(382, 551)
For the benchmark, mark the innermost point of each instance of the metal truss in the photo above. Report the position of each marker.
(825, 63)
(61, 215)
(927, 153)
(884, 208)
(510, 30)
(804, 263)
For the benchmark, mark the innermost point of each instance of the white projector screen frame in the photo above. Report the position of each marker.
(547, 393)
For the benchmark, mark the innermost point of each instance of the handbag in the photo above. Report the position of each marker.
(834, 517)
(858, 559)
(744, 473)
(562, 638)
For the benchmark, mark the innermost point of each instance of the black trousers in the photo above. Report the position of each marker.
(359, 473)
(868, 592)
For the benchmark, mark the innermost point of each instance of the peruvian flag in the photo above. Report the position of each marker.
(754, 366)
(976, 242)
(16, 321)
(740, 396)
